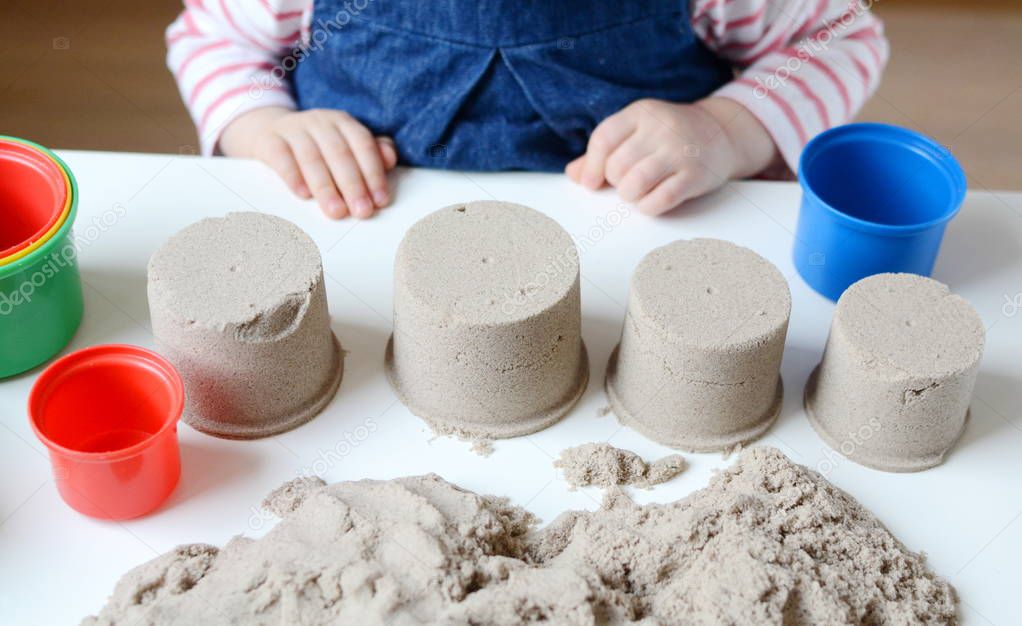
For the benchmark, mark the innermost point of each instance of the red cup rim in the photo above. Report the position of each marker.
(68, 363)
(43, 160)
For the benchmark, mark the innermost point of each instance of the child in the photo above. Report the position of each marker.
(662, 100)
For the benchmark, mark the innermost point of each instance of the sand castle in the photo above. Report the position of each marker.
(893, 389)
(487, 321)
(698, 366)
(238, 305)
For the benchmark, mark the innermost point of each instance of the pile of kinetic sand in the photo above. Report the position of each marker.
(604, 465)
(767, 542)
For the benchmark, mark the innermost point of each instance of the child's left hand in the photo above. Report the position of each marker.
(659, 154)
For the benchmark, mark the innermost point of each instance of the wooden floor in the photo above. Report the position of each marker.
(90, 74)
(956, 74)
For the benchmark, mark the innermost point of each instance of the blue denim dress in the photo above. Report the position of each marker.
(498, 84)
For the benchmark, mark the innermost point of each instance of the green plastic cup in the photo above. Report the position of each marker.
(41, 301)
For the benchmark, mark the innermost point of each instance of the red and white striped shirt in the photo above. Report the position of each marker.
(803, 65)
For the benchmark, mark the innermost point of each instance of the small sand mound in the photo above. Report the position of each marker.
(603, 465)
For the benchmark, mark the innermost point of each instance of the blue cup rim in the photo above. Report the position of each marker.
(939, 155)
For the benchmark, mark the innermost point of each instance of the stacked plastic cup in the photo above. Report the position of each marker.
(40, 289)
(108, 416)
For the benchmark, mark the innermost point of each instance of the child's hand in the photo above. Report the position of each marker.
(659, 154)
(320, 153)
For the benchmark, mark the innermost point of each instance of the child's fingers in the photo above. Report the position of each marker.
(671, 192)
(277, 154)
(389, 152)
(317, 174)
(343, 168)
(643, 176)
(574, 169)
(625, 157)
(367, 154)
(607, 136)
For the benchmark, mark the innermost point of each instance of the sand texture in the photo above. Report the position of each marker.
(698, 365)
(767, 542)
(603, 465)
(892, 391)
(238, 305)
(487, 337)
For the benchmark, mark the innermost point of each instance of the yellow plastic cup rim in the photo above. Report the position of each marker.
(35, 245)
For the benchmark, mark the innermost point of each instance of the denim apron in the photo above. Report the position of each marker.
(498, 84)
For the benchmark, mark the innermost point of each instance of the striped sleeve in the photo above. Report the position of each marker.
(803, 65)
(229, 57)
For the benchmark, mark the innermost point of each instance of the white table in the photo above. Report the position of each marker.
(57, 566)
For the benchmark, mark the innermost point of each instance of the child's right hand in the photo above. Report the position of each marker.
(323, 154)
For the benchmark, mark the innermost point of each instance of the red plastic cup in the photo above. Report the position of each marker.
(108, 415)
(32, 195)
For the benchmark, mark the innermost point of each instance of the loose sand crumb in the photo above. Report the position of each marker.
(603, 465)
(767, 542)
(730, 451)
(603, 411)
(482, 447)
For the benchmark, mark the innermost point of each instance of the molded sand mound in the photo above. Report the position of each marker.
(487, 321)
(698, 366)
(239, 307)
(893, 389)
(767, 542)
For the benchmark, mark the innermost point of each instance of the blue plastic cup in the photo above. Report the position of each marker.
(875, 198)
